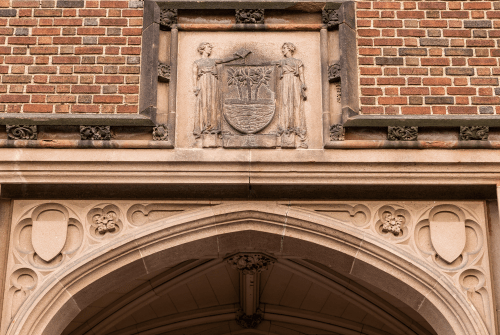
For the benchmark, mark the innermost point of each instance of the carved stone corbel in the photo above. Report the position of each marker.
(160, 133)
(334, 72)
(168, 18)
(331, 18)
(337, 132)
(250, 16)
(163, 72)
(479, 133)
(402, 133)
(16, 132)
(250, 263)
(102, 133)
(249, 321)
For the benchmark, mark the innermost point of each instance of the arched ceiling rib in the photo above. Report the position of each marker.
(206, 293)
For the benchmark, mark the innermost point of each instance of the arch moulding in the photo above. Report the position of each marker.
(216, 231)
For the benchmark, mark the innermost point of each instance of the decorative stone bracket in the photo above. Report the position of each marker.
(250, 16)
(402, 133)
(163, 72)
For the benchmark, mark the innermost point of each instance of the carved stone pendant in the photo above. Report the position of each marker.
(250, 16)
(474, 133)
(334, 73)
(95, 133)
(168, 18)
(331, 18)
(249, 321)
(402, 133)
(250, 263)
(337, 132)
(160, 133)
(22, 132)
(163, 72)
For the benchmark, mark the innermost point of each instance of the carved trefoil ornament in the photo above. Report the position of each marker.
(168, 18)
(104, 221)
(402, 133)
(160, 133)
(95, 133)
(334, 73)
(479, 133)
(337, 132)
(249, 16)
(163, 72)
(330, 18)
(256, 105)
(249, 321)
(17, 132)
(249, 263)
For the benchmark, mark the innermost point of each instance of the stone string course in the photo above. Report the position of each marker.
(429, 57)
(61, 56)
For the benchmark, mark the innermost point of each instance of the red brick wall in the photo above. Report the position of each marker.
(429, 57)
(70, 56)
(415, 57)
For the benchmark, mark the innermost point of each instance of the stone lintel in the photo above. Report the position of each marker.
(75, 119)
(447, 121)
(245, 4)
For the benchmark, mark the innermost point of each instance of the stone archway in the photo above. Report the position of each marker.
(215, 232)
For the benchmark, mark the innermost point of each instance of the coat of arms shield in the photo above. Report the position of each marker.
(448, 239)
(48, 238)
(249, 92)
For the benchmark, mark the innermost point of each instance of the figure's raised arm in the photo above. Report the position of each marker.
(242, 53)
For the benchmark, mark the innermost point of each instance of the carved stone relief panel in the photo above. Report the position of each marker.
(451, 237)
(249, 90)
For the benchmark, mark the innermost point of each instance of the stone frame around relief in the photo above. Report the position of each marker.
(345, 43)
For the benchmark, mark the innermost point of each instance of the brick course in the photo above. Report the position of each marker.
(442, 55)
(65, 56)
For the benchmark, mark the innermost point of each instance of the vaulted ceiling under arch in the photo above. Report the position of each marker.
(203, 297)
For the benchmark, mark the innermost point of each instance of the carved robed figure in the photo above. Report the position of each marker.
(205, 76)
(291, 94)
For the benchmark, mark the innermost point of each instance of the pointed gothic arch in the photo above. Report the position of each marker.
(215, 232)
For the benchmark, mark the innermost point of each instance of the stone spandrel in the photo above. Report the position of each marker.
(270, 118)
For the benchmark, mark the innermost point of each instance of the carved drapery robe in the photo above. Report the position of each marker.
(207, 100)
(290, 99)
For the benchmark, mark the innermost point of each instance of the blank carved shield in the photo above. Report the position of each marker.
(50, 229)
(447, 234)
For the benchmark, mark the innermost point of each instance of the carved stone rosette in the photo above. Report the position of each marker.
(16, 132)
(163, 72)
(250, 263)
(95, 133)
(249, 16)
(474, 133)
(337, 132)
(331, 18)
(168, 18)
(402, 133)
(160, 133)
(249, 321)
(334, 73)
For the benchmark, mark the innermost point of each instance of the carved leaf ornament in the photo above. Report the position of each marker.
(250, 263)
